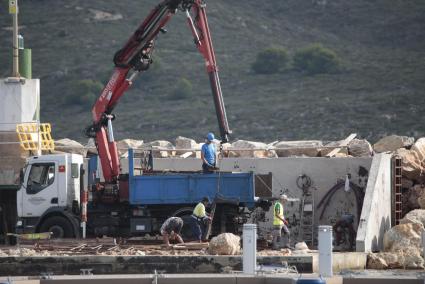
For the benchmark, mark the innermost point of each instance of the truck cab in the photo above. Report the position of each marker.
(50, 195)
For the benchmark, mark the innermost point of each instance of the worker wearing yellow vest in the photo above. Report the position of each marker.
(279, 222)
(199, 218)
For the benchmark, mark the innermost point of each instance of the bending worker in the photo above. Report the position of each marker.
(199, 218)
(279, 222)
(170, 230)
(208, 154)
(344, 226)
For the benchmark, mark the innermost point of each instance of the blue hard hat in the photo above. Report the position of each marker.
(210, 136)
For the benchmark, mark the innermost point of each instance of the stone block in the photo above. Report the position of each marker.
(360, 148)
(298, 148)
(403, 236)
(67, 145)
(237, 149)
(392, 143)
(125, 144)
(411, 164)
(225, 244)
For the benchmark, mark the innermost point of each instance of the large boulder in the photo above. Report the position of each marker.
(413, 195)
(414, 216)
(374, 261)
(225, 244)
(419, 149)
(126, 144)
(409, 258)
(186, 144)
(360, 148)
(330, 146)
(301, 248)
(411, 164)
(237, 149)
(421, 202)
(392, 143)
(403, 236)
(307, 148)
(159, 145)
(67, 145)
(406, 183)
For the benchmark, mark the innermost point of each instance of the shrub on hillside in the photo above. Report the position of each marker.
(85, 92)
(183, 89)
(271, 60)
(315, 59)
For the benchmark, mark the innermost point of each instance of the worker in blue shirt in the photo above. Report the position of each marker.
(208, 155)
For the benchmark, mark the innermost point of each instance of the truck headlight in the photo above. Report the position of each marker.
(19, 223)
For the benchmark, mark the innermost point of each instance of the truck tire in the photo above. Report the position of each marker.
(59, 226)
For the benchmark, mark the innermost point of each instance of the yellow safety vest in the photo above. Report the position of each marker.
(278, 208)
(199, 210)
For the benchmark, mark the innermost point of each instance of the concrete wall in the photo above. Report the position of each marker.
(108, 264)
(323, 172)
(375, 219)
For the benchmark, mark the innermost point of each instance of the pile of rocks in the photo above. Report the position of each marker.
(187, 147)
(402, 245)
(412, 154)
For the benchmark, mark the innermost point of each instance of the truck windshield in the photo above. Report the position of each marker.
(40, 177)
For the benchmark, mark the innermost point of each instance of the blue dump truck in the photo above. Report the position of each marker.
(59, 194)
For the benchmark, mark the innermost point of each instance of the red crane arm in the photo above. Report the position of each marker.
(136, 56)
(201, 33)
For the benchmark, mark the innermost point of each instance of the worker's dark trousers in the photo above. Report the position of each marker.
(197, 226)
(206, 169)
(277, 235)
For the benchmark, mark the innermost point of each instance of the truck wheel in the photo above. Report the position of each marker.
(59, 226)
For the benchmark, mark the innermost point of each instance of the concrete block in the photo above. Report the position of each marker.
(343, 261)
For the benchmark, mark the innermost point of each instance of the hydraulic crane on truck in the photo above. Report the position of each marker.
(136, 57)
(59, 192)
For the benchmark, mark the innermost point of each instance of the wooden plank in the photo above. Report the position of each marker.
(344, 143)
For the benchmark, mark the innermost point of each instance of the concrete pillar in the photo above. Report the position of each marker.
(249, 258)
(325, 251)
(20, 102)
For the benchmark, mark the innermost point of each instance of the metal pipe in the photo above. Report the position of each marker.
(15, 39)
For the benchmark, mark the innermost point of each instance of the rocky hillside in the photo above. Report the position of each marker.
(378, 91)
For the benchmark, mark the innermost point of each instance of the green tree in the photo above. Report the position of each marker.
(316, 59)
(183, 89)
(85, 92)
(271, 60)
